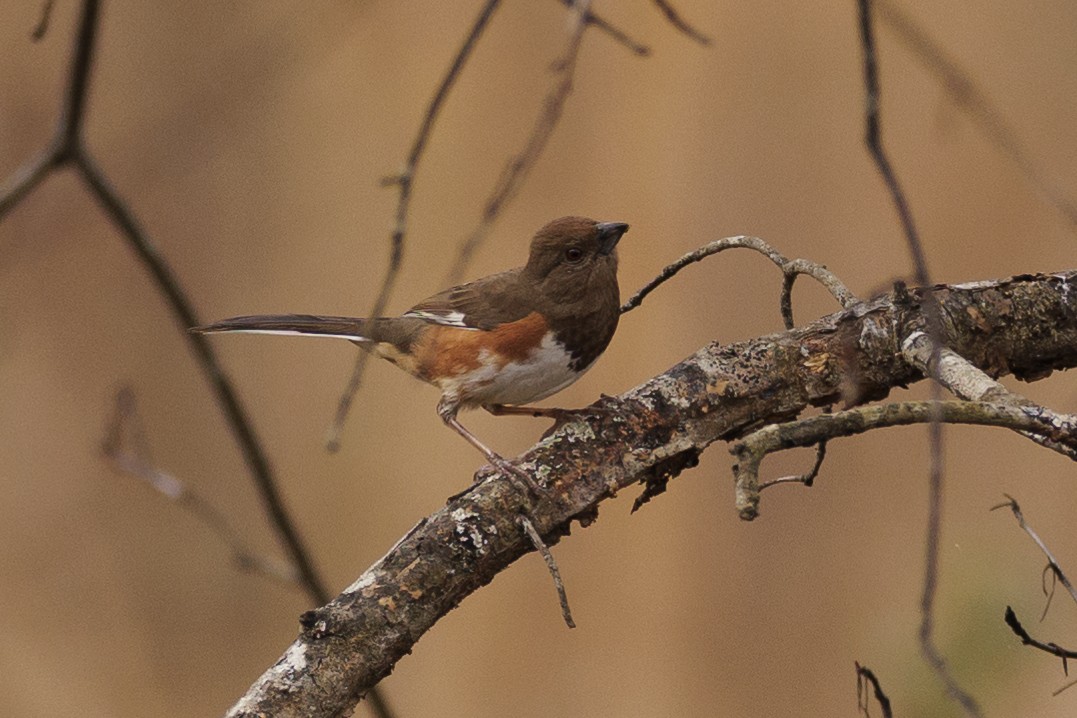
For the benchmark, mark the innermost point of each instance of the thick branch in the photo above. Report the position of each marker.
(1024, 325)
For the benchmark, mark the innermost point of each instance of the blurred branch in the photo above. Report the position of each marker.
(873, 141)
(680, 23)
(403, 182)
(68, 148)
(717, 394)
(126, 446)
(605, 26)
(519, 167)
(967, 95)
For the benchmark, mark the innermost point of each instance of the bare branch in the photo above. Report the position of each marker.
(865, 677)
(968, 96)
(968, 382)
(67, 147)
(551, 566)
(751, 450)
(719, 393)
(790, 269)
(403, 182)
(1053, 648)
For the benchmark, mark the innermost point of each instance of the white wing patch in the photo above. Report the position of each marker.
(448, 318)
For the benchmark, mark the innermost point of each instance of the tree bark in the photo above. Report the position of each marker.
(1024, 325)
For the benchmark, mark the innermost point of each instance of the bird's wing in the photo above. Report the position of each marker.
(483, 304)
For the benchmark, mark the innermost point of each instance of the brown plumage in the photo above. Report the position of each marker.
(506, 339)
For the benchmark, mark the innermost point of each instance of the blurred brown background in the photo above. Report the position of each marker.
(249, 139)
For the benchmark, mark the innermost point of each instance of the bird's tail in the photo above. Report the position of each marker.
(291, 325)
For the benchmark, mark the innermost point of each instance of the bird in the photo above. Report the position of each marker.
(499, 342)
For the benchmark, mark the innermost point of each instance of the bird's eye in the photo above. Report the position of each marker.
(573, 254)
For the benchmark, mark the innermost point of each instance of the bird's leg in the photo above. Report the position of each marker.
(447, 411)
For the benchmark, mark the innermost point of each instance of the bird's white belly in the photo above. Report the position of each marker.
(544, 372)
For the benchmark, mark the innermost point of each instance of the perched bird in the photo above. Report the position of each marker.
(497, 342)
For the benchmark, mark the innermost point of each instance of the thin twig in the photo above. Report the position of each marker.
(790, 269)
(680, 23)
(752, 449)
(866, 677)
(551, 565)
(807, 479)
(404, 182)
(519, 167)
(873, 140)
(968, 96)
(1053, 648)
(1052, 562)
(618, 35)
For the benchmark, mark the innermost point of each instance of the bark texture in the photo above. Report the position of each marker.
(1024, 325)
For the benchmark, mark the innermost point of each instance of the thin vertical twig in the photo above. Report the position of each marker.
(873, 140)
(403, 182)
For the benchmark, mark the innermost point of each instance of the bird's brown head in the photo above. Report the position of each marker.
(574, 257)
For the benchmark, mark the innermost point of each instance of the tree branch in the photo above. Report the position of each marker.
(718, 393)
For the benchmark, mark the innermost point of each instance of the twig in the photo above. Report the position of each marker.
(678, 22)
(807, 479)
(873, 140)
(790, 269)
(42, 26)
(751, 450)
(1053, 648)
(403, 182)
(865, 677)
(519, 167)
(965, 93)
(551, 565)
(1052, 562)
(126, 446)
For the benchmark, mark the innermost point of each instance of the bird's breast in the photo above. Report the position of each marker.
(515, 363)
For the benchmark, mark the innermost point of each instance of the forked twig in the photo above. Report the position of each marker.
(790, 269)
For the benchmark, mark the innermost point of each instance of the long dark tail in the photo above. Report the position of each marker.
(290, 324)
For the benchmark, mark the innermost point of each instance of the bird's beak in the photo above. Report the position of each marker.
(609, 234)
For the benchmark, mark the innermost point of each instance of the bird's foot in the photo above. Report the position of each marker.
(519, 478)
